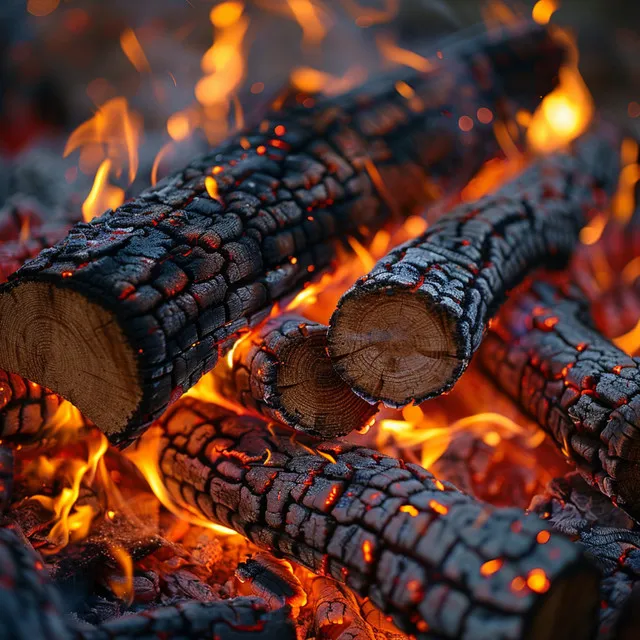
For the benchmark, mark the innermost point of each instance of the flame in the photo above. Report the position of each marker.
(368, 16)
(311, 80)
(111, 137)
(566, 112)
(133, 50)
(307, 15)
(543, 10)
(71, 522)
(624, 201)
(397, 55)
(145, 457)
(224, 67)
(103, 196)
(122, 587)
(629, 342)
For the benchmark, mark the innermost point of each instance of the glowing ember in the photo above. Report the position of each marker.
(367, 551)
(491, 566)
(537, 581)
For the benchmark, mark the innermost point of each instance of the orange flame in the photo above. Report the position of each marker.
(566, 112)
(397, 55)
(134, 52)
(145, 457)
(308, 17)
(113, 135)
(311, 80)
(122, 586)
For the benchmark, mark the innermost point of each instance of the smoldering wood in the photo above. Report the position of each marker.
(132, 307)
(406, 331)
(235, 619)
(283, 372)
(388, 530)
(543, 351)
(272, 580)
(611, 541)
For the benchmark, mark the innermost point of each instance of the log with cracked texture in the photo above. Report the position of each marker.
(440, 563)
(235, 619)
(543, 351)
(282, 371)
(128, 311)
(406, 331)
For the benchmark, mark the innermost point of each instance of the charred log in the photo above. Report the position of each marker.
(30, 606)
(406, 331)
(284, 373)
(543, 351)
(237, 619)
(129, 310)
(436, 560)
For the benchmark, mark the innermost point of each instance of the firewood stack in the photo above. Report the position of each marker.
(123, 316)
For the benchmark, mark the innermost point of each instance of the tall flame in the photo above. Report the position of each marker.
(114, 133)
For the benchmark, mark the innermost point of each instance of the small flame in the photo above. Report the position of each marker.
(397, 55)
(224, 67)
(624, 201)
(308, 17)
(103, 195)
(309, 80)
(122, 586)
(566, 112)
(134, 52)
(145, 457)
(543, 10)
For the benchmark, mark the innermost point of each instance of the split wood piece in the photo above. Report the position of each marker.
(128, 311)
(406, 331)
(440, 563)
(283, 372)
(543, 351)
(30, 606)
(236, 619)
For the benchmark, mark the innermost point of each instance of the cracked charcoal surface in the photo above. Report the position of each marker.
(182, 272)
(305, 393)
(607, 534)
(388, 530)
(237, 619)
(30, 607)
(584, 391)
(464, 265)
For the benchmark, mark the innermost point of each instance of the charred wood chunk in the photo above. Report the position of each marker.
(237, 619)
(283, 372)
(544, 352)
(127, 312)
(30, 606)
(25, 407)
(434, 559)
(406, 331)
(608, 537)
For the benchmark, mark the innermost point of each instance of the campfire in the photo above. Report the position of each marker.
(352, 359)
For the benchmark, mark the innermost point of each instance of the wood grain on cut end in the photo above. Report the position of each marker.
(284, 373)
(59, 339)
(392, 345)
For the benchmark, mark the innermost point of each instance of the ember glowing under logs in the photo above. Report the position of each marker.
(129, 311)
(435, 560)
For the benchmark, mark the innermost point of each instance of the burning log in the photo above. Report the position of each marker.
(607, 535)
(436, 560)
(25, 407)
(237, 619)
(544, 353)
(29, 604)
(127, 312)
(284, 373)
(406, 331)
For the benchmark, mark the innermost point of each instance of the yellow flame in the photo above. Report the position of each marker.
(566, 112)
(624, 201)
(311, 80)
(543, 10)
(103, 195)
(235, 346)
(224, 67)
(629, 342)
(145, 456)
(134, 52)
